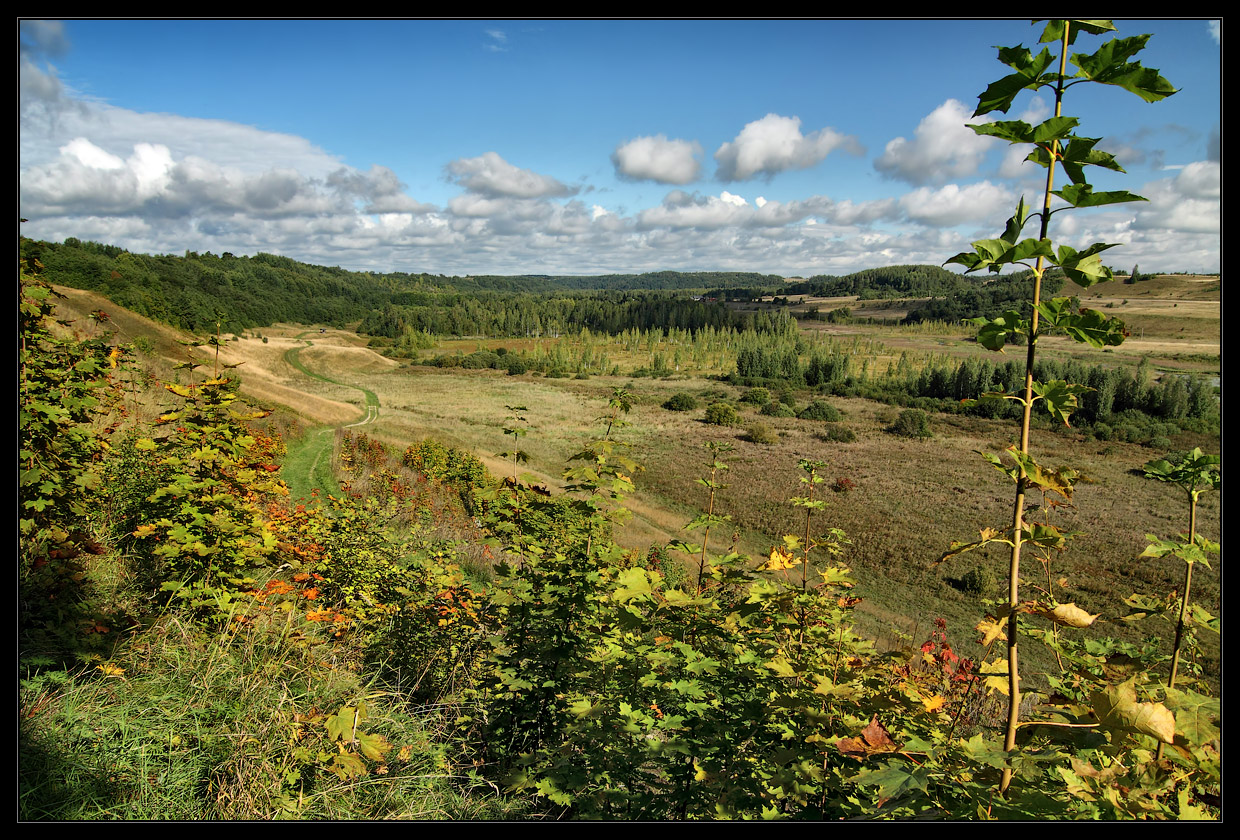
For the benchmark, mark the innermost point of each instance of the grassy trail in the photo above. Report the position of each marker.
(307, 465)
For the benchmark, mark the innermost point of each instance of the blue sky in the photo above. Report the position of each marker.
(558, 147)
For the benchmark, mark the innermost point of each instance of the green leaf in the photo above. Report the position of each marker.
(993, 334)
(893, 780)
(1084, 268)
(1079, 153)
(985, 752)
(1029, 68)
(1110, 66)
(1016, 131)
(1117, 708)
(1088, 326)
(781, 666)
(1054, 29)
(1060, 397)
(348, 766)
(1083, 195)
(372, 746)
(1197, 717)
(632, 583)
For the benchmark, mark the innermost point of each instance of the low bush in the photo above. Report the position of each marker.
(820, 410)
(837, 433)
(912, 423)
(757, 396)
(777, 409)
(979, 581)
(722, 414)
(681, 402)
(761, 433)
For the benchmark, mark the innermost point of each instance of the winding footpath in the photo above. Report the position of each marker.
(312, 448)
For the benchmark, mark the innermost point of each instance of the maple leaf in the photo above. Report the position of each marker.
(874, 740)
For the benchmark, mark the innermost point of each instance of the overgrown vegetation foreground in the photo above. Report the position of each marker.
(437, 643)
(228, 655)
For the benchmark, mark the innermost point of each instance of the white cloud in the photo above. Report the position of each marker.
(1191, 202)
(942, 148)
(491, 175)
(43, 37)
(952, 205)
(658, 159)
(681, 210)
(774, 144)
(1216, 31)
(498, 42)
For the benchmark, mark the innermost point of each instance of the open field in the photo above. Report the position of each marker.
(1175, 320)
(911, 498)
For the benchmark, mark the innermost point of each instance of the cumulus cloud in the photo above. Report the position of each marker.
(682, 210)
(150, 181)
(952, 205)
(491, 175)
(658, 159)
(39, 87)
(774, 144)
(379, 190)
(1191, 202)
(942, 148)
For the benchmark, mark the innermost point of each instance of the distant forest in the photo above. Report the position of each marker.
(196, 292)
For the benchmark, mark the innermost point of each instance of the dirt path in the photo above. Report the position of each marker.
(306, 462)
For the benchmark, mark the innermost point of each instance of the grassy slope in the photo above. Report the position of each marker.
(912, 499)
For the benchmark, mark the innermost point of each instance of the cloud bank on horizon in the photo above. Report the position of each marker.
(806, 178)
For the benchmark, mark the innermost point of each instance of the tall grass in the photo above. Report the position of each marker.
(185, 724)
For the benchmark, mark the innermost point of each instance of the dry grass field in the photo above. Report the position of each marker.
(911, 498)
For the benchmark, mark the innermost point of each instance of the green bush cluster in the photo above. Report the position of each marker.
(757, 396)
(778, 409)
(722, 414)
(820, 410)
(979, 581)
(837, 433)
(912, 423)
(761, 433)
(681, 401)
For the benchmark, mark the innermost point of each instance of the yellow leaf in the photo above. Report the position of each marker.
(998, 679)
(1069, 615)
(933, 704)
(991, 629)
(781, 559)
(110, 670)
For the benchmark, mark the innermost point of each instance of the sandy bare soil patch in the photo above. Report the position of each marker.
(331, 360)
(268, 377)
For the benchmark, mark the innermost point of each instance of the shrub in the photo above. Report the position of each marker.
(837, 433)
(820, 410)
(979, 581)
(777, 409)
(757, 396)
(516, 366)
(761, 433)
(844, 484)
(722, 414)
(681, 402)
(788, 398)
(912, 423)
